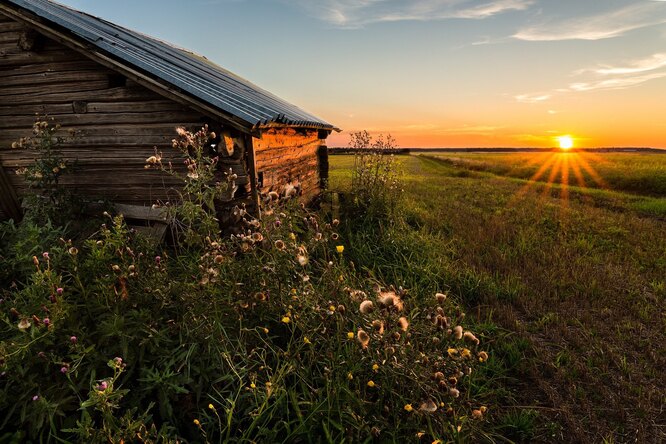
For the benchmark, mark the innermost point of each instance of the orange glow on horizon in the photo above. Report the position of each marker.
(505, 138)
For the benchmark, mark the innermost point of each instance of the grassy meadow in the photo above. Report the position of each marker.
(428, 299)
(565, 275)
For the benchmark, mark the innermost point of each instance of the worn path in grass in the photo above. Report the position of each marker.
(581, 280)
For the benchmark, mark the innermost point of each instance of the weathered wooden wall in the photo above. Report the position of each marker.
(117, 122)
(288, 155)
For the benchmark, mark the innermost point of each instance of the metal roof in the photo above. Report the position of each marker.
(191, 73)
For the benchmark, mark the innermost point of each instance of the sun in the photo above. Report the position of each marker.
(566, 142)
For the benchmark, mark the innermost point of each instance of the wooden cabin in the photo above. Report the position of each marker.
(119, 94)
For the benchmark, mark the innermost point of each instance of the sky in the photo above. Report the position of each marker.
(437, 73)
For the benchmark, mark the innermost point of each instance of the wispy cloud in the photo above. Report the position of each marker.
(359, 13)
(616, 82)
(622, 76)
(651, 63)
(532, 98)
(602, 26)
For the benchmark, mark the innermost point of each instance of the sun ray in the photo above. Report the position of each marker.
(593, 174)
(532, 180)
(553, 175)
(563, 169)
(564, 179)
(578, 174)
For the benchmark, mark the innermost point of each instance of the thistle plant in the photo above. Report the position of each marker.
(49, 199)
(375, 179)
(194, 215)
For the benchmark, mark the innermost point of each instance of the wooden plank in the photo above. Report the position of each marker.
(142, 212)
(17, 57)
(94, 118)
(99, 95)
(9, 202)
(94, 107)
(12, 26)
(252, 175)
(74, 86)
(83, 132)
(50, 77)
(75, 65)
(9, 37)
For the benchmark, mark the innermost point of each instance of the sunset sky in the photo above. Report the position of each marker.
(437, 73)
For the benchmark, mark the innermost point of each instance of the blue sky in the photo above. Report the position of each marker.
(437, 72)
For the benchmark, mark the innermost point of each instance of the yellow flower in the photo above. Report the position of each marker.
(375, 367)
(331, 308)
(350, 335)
(371, 383)
(306, 340)
(211, 406)
(350, 376)
(265, 330)
(286, 319)
(408, 407)
(197, 423)
(340, 248)
(452, 351)
(253, 386)
(465, 353)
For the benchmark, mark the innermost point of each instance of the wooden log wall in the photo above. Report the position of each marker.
(110, 124)
(288, 155)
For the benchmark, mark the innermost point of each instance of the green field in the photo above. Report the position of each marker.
(635, 173)
(569, 280)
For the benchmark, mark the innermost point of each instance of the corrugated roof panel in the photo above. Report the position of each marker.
(185, 70)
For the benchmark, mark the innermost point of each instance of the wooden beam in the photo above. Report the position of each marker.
(142, 79)
(8, 200)
(252, 171)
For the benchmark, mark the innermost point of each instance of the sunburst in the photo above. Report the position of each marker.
(563, 169)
